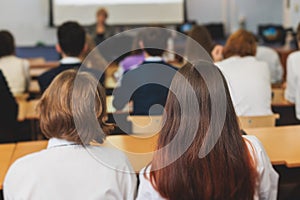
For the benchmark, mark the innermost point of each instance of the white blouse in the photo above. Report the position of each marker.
(271, 57)
(249, 84)
(292, 92)
(266, 186)
(68, 171)
(16, 72)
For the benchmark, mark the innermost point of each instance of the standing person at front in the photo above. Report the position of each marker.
(236, 167)
(71, 168)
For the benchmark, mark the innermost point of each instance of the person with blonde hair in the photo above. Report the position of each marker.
(249, 79)
(72, 115)
(100, 30)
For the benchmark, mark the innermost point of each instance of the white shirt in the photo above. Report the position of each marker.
(16, 72)
(70, 60)
(271, 57)
(267, 181)
(292, 92)
(68, 171)
(249, 84)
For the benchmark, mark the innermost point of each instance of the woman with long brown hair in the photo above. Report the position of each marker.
(234, 167)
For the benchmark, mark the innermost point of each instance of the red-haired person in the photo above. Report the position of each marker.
(236, 167)
(249, 80)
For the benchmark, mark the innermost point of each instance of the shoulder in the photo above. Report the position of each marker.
(110, 157)
(21, 165)
(294, 56)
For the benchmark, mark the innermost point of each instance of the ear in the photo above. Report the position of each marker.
(85, 48)
(58, 49)
(141, 44)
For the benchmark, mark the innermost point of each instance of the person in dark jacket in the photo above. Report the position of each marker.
(147, 85)
(8, 114)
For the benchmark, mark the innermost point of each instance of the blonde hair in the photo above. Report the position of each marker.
(72, 113)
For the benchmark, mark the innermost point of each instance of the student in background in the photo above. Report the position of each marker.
(248, 79)
(201, 35)
(67, 169)
(154, 69)
(133, 60)
(72, 46)
(8, 114)
(271, 57)
(92, 56)
(292, 92)
(237, 167)
(15, 70)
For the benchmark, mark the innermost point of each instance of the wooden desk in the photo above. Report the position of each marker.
(27, 110)
(139, 150)
(6, 152)
(34, 87)
(25, 148)
(278, 98)
(46, 65)
(281, 144)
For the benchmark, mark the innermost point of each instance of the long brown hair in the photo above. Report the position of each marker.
(228, 171)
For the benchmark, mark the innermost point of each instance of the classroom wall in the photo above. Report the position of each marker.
(231, 12)
(28, 19)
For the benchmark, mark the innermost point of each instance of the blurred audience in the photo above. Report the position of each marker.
(15, 70)
(201, 35)
(271, 57)
(249, 79)
(292, 92)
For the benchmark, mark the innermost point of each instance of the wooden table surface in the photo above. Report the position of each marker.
(27, 109)
(281, 144)
(24, 148)
(6, 153)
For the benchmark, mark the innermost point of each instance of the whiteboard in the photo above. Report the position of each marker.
(121, 12)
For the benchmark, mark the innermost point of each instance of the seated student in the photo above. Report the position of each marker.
(15, 70)
(201, 35)
(71, 45)
(292, 92)
(71, 168)
(236, 167)
(8, 114)
(248, 78)
(143, 85)
(271, 57)
(131, 61)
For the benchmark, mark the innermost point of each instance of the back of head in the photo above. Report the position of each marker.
(156, 38)
(241, 43)
(74, 108)
(298, 33)
(227, 171)
(7, 44)
(201, 35)
(71, 38)
(102, 12)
